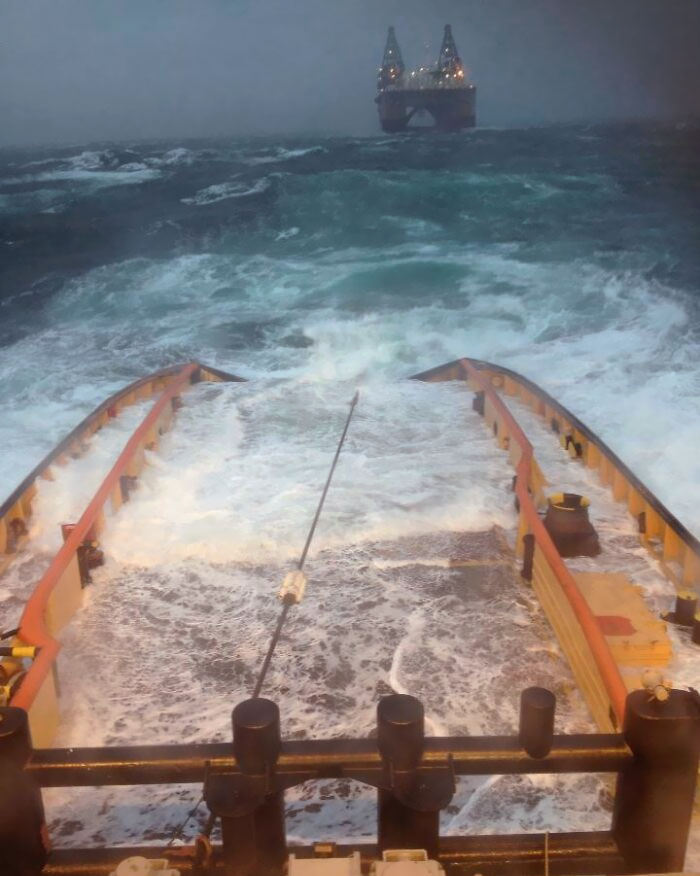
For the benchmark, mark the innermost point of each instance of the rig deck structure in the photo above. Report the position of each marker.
(442, 89)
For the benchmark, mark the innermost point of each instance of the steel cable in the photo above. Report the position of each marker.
(300, 565)
(285, 608)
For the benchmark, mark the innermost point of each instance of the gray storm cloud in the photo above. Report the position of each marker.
(90, 69)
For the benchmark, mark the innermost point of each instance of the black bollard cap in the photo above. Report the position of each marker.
(400, 730)
(256, 735)
(537, 705)
(15, 738)
(686, 606)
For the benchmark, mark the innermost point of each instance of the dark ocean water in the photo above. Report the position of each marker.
(570, 254)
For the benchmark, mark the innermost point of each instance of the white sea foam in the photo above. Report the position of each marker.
(179, 156)
(99, 168)
(224, 191)
(597, 362)
(195, 558)
(287, 233)
(127, 175)
(281, 154)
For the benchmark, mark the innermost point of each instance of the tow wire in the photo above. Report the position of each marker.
(293, 587)
(291, 593)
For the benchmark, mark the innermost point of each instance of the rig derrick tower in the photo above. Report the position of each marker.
(441, 90)
(392, 69)
(449, 64)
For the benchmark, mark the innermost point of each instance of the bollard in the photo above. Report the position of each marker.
(528, 556)
(251, 811)
(256, 735)
(23, 837)
(654, 796)
(686, 606)
(408, 813)
(569, 527)
(536, 732)
(400, 731)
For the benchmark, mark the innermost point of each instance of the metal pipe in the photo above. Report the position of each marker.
(571, 853)
(328, 758)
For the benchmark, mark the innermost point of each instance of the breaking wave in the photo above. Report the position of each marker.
(224, 191)
(363, 259)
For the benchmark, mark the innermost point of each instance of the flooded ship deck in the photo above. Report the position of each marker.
(413, 588)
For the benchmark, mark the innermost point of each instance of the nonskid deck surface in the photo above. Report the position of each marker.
(177, 621)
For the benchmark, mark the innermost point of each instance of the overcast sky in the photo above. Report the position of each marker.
(81, 70)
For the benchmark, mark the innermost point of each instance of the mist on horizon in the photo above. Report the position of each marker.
(86, 70)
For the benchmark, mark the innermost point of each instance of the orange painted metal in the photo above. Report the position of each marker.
(33, 623)
(607, 667)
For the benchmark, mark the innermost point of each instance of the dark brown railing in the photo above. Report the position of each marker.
(655, 759)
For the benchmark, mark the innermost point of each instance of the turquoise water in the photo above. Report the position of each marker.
(567, 253)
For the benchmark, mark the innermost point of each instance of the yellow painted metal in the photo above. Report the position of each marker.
(691, 568)
(672, 544)
(20, 651)
(592, 456)
(654, 525)
(635, 503)
(66, 598)
(572, 640)
(44, 713)
(136, 463)
(620, 486)
(679, 561)
(116, 497)
(613, 594)
(510, 387)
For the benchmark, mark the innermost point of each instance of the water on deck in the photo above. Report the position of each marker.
(412, 589)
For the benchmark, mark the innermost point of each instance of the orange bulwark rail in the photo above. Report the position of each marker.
(664, 536)
(59, 593)
(15, 511)
(591, 660)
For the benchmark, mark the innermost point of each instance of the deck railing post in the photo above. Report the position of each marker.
(655, 791)
(251, 811)
(536, 730)
(409, 803)
(22, 828)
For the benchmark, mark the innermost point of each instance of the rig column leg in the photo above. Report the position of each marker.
(654, 796)
(23, 837)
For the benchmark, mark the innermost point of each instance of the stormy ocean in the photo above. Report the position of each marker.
(570, 254)
(314, 267)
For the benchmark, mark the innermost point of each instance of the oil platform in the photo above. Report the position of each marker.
(441, 89)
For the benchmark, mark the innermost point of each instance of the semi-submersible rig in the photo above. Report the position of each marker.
(441, 89)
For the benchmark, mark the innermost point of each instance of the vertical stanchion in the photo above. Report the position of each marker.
(256, 746)
(23, 838)
(249, 806)
(406, 814)
(654, 796)
(259, 837)
(536, 730)
(528, 555)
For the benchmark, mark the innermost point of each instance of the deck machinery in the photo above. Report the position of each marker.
(442, 89)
